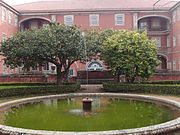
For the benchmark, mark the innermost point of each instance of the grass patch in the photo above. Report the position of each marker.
(11, 87)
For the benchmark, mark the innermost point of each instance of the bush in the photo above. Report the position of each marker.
(163, 82)
(143, 88)
(23, 84)
(41, 89)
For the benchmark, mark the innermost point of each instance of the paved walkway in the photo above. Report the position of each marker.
(99, 89)
(91, 89)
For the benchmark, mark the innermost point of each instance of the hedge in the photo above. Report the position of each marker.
(41, 89)
(143, 88)
(31, 83)
(163, 82)
(23, 83)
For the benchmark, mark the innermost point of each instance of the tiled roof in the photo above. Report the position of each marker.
(89, 5)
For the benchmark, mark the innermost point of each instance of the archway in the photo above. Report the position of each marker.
(33, 22)
(95, 66)
(154, 22)
(163, 64)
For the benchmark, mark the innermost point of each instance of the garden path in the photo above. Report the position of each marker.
(91, 88)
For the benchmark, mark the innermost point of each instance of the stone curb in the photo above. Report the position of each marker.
(149, 130)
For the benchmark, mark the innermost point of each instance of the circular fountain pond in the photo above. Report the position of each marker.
(107, 114)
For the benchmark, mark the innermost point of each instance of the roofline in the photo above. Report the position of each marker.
(175, 6)
(9, 7)
(92, 10)
(88, 12)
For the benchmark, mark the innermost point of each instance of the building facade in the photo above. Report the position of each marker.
(161, 19)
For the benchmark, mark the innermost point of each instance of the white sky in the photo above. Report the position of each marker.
(16, 2)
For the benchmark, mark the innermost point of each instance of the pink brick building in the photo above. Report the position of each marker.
(161, 19)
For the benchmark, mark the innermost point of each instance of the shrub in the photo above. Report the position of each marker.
(163, 82)
(143, 88)
(40, 89)
(23, 83)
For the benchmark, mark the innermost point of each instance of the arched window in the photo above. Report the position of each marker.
(163, 59)
(95, 66)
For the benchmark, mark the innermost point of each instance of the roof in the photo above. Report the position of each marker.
(94, 5)
(8, 6)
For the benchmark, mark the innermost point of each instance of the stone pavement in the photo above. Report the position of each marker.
(91, 88)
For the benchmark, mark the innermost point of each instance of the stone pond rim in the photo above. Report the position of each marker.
(163, 128)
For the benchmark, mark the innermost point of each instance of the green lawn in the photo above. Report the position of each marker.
(10, 87)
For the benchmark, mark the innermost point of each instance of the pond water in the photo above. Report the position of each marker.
(107, 114)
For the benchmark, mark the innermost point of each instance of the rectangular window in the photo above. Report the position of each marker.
(179, 65)
(3, 14)
(174, 16)
(174, 41)
(174, 65)
(119, 19)
(168, 42)
(169, 65)
(4, 68)
(53, 18)
(46, 66)
(69, 20)
(179, 39)
(10, 17)
(94, 20)
(4, 37)
(71, 72)
(15, 20)
(157, 41)
(156, 23)
(178, 13)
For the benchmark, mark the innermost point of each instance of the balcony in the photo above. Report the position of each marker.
(154, 25)
(33, 23)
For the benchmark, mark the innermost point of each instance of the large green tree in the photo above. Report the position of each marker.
(58, 44)
(94, 39)
(131, 53)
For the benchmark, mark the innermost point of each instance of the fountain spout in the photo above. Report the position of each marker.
(87, 104)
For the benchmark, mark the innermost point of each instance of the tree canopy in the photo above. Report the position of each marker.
(94, 39)
(130, 53)
(58, 44)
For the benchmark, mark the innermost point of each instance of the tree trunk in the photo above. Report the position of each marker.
(118, 78)
(132, 79)
(65, 75)
(59, 75)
